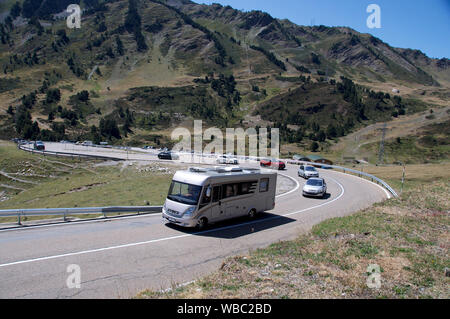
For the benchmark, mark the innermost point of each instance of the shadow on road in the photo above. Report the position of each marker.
(237, 227)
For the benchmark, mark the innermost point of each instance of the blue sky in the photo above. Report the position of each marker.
(415, 24)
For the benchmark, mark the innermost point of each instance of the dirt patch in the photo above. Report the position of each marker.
(83, 188)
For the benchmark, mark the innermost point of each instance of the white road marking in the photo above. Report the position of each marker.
(79, 222)
(290, 192)
(170, 238)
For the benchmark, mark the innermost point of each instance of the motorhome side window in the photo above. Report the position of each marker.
(230, 190)
(247, 188)
(264, 185)
(216, 193)
(238, 189)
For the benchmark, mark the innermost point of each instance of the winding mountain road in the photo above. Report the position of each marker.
(118, 258)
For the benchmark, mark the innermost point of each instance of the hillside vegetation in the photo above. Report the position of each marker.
(139, 67)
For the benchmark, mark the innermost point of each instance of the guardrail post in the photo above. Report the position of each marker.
(18, 219)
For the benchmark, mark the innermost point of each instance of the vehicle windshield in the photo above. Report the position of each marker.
(310, 169)
(184, 193)
(314, 182)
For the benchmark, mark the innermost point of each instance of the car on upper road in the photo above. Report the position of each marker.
(315, 187)
(20, 142)
(224, 159)
(168, 156)
(273, 163)
(307, 171)
(39, 145)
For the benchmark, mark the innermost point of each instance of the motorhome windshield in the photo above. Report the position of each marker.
(184, 193)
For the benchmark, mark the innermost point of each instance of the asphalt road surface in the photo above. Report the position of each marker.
(118, 258)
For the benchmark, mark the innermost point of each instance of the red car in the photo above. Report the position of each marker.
(273, 163)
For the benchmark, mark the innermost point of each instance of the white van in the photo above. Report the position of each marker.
(200, 196)
(224, 159)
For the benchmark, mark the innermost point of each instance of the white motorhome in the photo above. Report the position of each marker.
(200, 196)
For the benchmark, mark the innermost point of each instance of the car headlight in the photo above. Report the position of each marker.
(189, 212)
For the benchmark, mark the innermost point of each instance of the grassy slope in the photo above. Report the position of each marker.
(411, 129)
(407, 237)
(425, 140)
(68, 183)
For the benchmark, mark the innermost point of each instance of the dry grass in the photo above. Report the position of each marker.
(415, 175)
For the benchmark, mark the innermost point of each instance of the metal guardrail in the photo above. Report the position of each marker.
(65, 154)
(66, 212)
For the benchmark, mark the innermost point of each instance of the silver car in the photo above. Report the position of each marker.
(307, 172)
(316, 187)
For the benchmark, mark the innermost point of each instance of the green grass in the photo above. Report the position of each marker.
(32, 168)
(79, 184)
(411, 150)
(9, 84)
(7, 4)
(108, 187)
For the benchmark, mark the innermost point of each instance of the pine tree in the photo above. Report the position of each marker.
(120, 49)
(314, 147)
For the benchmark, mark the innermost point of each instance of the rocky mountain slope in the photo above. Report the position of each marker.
(146, 65)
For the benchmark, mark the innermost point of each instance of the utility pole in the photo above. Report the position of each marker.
(403, 178)
(381, 154)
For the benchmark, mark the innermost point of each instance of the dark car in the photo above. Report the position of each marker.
(273, 163)
(40, 146)
(168, 156)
